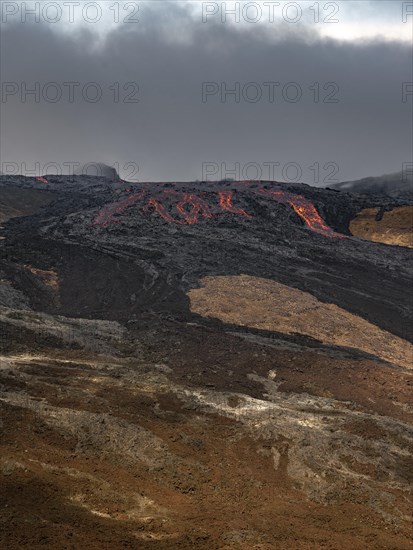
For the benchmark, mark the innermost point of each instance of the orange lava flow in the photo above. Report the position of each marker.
(198, 206)
(105, 217)
(307, 211)
(160, 208)
(225, 202)
(191, 208)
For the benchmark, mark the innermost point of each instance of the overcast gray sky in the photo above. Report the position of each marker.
(318, 88)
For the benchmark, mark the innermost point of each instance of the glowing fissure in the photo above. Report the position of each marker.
(105, 216)
(160, 208)
(197, 206)
(225, 202)
(306, 210)
(192, 207)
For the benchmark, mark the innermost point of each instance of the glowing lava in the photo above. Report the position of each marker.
(160, 208)
(306, 210)
(196, 206)
(225, 202)
(105, 217)
(191, 207)
(43, 180)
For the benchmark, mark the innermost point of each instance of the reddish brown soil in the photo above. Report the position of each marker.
(222, 493)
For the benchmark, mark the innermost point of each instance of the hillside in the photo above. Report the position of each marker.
(197, 365)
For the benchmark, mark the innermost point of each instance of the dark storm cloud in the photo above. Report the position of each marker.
(171, 132)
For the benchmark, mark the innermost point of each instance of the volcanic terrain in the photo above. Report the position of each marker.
(203, 365)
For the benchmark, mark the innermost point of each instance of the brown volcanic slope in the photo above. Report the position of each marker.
(206, 440)
(396, 226)
(269, 305)
(128, 421)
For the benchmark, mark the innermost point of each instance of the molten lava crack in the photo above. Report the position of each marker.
(191, 208)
